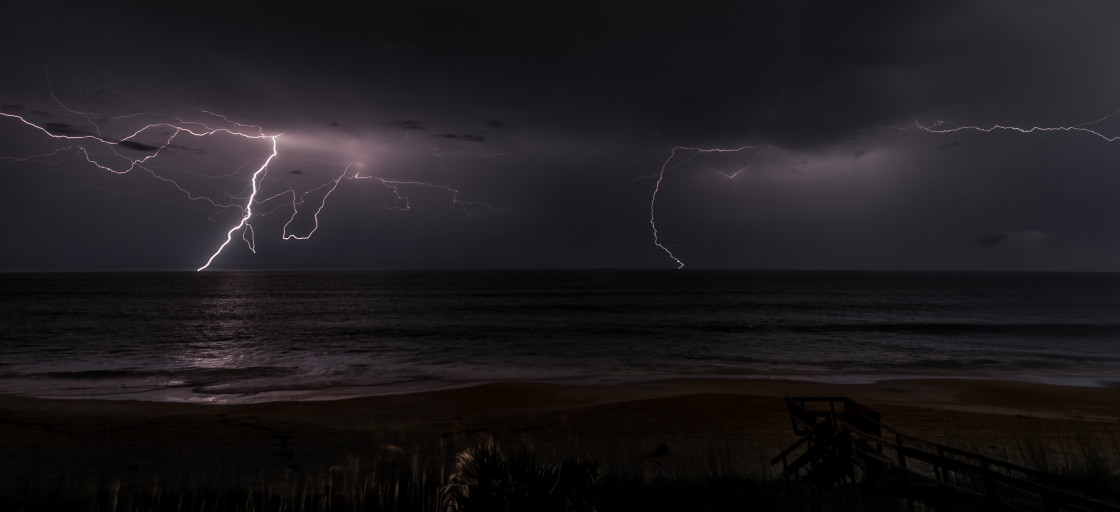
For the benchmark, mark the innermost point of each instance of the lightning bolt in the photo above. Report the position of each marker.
(322, 203)
(131, 164)
(256, 181)
(938, 127)
(692, 152)
(116, 162)
(395, 187)
(170, 128)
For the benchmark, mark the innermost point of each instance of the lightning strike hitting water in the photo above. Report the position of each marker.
(104, 152)
(939, 127)
(82, 144)
(694, 152)
(247, 235)
(131, 164)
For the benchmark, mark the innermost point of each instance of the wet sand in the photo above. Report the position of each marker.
(735, 425)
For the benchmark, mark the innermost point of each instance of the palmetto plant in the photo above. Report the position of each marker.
(485, 479)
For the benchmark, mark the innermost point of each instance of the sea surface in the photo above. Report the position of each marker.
(258, 336)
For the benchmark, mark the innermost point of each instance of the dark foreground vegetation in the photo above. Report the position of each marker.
(502, 448)
(483, 477)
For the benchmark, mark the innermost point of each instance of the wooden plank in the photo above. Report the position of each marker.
(789, 450)
(860, 430)
(862, 417)
(813, 454)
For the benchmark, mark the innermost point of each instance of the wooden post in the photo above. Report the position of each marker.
(990, 488)
(833, 444)
(901, 456)
(937, 467)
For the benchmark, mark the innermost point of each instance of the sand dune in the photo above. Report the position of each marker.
(665, 426)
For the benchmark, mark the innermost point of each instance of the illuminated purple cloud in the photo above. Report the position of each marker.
(756, 135)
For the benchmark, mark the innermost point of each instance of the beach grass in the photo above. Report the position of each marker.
(487, 476)
(662, 446)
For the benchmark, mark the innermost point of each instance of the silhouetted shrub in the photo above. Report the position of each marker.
(486, 480)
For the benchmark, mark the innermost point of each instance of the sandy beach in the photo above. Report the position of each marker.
(732, 425)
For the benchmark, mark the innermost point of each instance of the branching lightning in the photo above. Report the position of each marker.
(108, 158)
(107, 153)
(939, 127)
(130, 164)
(247, 234)
(692, 152)
(322, 204)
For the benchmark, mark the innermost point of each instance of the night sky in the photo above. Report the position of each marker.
(533, 135)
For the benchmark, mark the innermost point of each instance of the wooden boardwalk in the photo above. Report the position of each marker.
(842, 441)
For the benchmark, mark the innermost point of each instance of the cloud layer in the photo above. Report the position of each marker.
(520, 136)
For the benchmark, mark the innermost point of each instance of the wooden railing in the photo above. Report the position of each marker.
(841, 440)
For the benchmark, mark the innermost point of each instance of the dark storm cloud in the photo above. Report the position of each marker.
(12, 108)
(409, 125)
(598, 97)
(469, 137)
(65, 129)
(991, 239)
(137, 146)
(180, 147)
(1023, 238)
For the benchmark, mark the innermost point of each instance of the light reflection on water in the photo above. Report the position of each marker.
(256, 334)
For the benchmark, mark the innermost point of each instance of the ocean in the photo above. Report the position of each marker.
(232, 337)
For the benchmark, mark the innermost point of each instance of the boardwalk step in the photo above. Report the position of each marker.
(844, 441)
